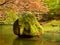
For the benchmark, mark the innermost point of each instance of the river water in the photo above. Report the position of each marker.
(7, 37)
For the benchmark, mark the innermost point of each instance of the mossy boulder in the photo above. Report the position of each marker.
(27, 26)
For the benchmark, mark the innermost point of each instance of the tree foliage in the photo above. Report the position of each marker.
(38, 7)
(11, 16)
(54, 9)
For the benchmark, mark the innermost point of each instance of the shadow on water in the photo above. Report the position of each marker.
(22, 41)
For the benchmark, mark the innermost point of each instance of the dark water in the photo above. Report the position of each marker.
(7, 37)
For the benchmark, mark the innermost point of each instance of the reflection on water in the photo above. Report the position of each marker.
(19, 41)
(7, 37)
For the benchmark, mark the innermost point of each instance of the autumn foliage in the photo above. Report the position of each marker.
(25, 5)
(20, 6)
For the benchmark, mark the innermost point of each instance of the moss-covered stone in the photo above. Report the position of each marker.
(27, 26)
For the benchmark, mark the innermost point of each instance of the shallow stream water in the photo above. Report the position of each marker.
(7, 37)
